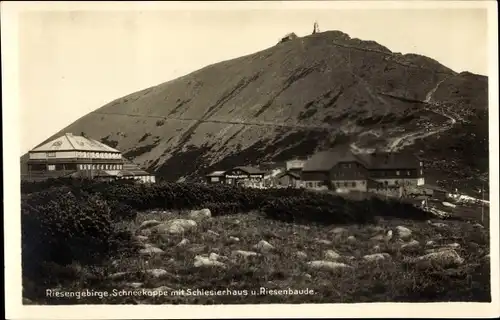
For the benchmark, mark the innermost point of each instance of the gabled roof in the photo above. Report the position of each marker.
(388, 160)
(216, 174)
(132, 169)
(69, 142)
(326, 160)
(250, 170)
(289, 173)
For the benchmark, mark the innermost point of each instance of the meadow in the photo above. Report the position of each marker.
(152, 244)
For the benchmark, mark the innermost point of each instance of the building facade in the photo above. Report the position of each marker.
(342, 170)
(77, 156)
(215, 177)
(288, 179)
(245, 176)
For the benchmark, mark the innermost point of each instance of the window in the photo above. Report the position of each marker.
(421, 172)
(397, 173)
(353, 184)
(51, 154)
(215, 179)
(51, 167)
(421, 164)
(386, 183)
(345, 184)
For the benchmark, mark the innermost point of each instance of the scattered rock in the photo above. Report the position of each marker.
(234, 239)
(214, 256)
(236, 222)
(151, 250)
(307, 275)
(145, 232)
(439, 225)
(478, 225)
(198, 248)
(176, 226)
(328, 265)
(351, 239)
(301, 255)
(183, 242)
(200, 261)
(376, 248)
(331, 255)
(403, 232)
(141, 238)
(118, 275)
(339, 230)
(412, 245)
(441, 259)
(263, 246)
(323, 241)
(487, 257)
(379, 237)
(452, 245)
(430, 243)
(377, 257)
(134, 285)
(200, 214)
(244, 254)
(148, 224)
(306, 227)
(156, 273)
(213, 233)
(376, 229)
(388, 235)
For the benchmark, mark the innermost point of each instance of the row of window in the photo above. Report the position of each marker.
(100, 155)
(100, 166)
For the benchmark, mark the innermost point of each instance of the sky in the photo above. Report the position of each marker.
(73, 62)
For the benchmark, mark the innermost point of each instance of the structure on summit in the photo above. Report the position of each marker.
(83, 157)
(316, 28)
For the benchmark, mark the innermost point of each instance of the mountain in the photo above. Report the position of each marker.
(297, 97)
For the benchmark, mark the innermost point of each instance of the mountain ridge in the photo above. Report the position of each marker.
(293, 99)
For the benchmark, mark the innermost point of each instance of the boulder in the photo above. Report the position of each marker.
(379, 237)
(141, 238)
(403, 232)
(412, 245)
(156, 273)
(388, 236)
(118, 275)
(175, 226)
(183, 243)
(377, 257)
(376, 229)
(441, 259)
(478, 225)
(200, 261)
(452, 245)
(151, 251)
(430, 243)
(301, 255)
(339, 230)
(376, 248)
(234, 239)
(149, 224)
(244, 254)
(351, 239)
(213, 233)
(331, 255)
(200, 214)
(263, 246)
(323, 265)
(323, 241)
(439, 225)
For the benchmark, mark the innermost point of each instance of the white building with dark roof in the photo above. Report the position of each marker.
(78, 156)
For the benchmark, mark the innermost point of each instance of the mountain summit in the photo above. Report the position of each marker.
(300, 96)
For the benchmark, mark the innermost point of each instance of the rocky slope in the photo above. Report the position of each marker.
(297, 97)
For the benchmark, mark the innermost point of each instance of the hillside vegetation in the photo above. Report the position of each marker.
(87, 236)
(297, 97)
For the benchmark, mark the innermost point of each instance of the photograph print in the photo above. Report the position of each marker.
(273, 154)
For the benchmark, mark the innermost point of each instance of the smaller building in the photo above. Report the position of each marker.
(432, 191)
(245, 176)
(215, 177)
(288, 179)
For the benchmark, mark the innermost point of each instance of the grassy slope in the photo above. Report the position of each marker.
(323, 79)
(367, 282)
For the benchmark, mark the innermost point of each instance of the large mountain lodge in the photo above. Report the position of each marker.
(81, 157)
(341, 170)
